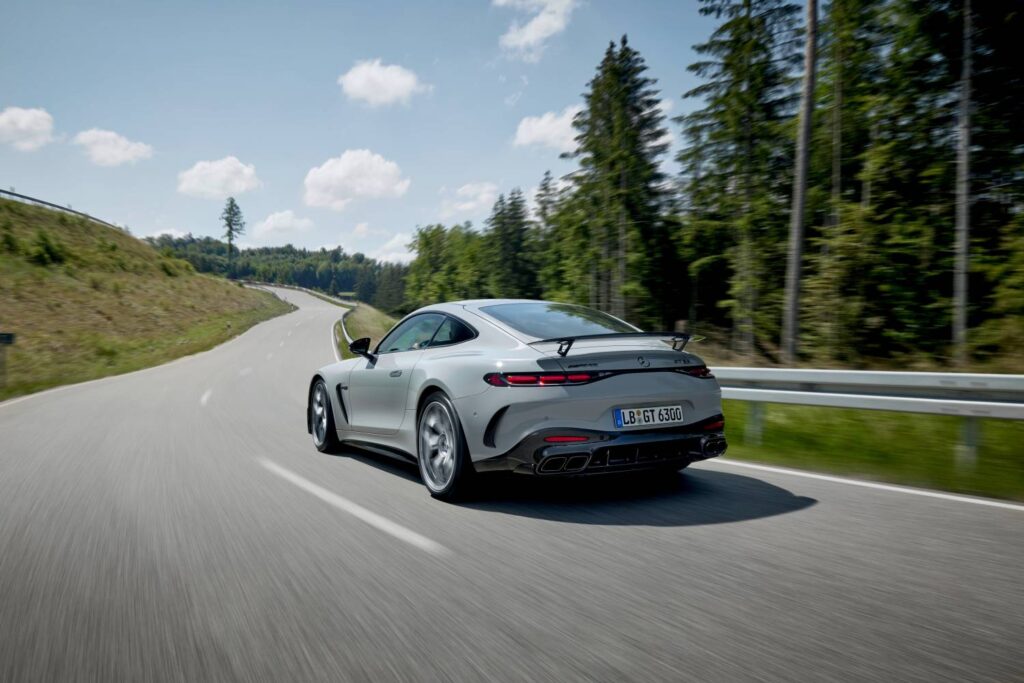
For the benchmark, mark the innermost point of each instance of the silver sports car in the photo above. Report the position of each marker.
(535, 387)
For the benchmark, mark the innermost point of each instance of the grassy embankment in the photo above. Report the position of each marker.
(915, 450)
(86, 301)
(364, 321)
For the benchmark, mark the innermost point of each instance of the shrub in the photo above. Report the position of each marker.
(168, 268)
(9, 241)
(46, 251)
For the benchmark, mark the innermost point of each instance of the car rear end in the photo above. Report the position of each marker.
(627, 401)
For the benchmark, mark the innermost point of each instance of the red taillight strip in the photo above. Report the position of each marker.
(543, 379)
(566, 439)
(700, 371)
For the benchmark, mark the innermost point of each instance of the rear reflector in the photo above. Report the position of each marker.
(712, 426)
(566, 439)
(698, 371)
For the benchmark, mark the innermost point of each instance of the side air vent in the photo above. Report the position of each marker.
(492, 427)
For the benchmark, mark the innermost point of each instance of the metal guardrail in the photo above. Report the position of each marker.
(25, 199)
(969, 396)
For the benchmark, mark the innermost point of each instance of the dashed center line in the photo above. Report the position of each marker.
(205, 398)
(378, 522)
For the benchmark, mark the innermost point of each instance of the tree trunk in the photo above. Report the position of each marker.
(790, 322)
(963, 198)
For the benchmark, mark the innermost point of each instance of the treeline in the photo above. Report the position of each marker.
(706, 249)
(329, 270)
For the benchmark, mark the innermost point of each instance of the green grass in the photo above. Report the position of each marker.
(87, 301)
(902, 448)
(365, 321)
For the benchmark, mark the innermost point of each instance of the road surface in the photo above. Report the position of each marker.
(176, 523)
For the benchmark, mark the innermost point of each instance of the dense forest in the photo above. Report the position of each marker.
(329, 270)
(903, 231)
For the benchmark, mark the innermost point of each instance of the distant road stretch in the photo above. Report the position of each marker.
(176, 523)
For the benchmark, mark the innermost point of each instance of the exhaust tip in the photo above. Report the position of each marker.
(576, 463)
(554, 464)
(712, 447)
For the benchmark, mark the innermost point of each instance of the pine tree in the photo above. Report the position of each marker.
(511, 274)
(794, 263)
(620, 137)
(234, 225)
(737, 162)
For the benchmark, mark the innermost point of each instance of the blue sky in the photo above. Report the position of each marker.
(330, 122)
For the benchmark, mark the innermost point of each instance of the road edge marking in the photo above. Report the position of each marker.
(378, 522)
(875, 485)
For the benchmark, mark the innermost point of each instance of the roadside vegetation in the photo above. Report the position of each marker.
(364, 321)
(86, 301)
(900, 448)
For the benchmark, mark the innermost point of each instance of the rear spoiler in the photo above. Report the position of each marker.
(677, 339)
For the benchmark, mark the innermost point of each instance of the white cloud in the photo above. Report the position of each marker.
(470, 198)
(364, 230)
(281, 224)
(25, 129)
(527, 41)
(552, 130)
(357, 173)
(107, 148)
(380, 84)
(394, 250)
(218, 179)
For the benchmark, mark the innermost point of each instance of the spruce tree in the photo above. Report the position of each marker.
(738, 160)
(234, 225)
(619, 139)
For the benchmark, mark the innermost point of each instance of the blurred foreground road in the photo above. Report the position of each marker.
(177, 523)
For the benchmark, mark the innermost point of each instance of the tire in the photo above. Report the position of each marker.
(321, 419)
(441, 450)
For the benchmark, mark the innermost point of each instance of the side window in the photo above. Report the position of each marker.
(414, 333)
(451, 332)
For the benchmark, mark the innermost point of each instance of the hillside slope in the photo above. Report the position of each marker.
(86, 300)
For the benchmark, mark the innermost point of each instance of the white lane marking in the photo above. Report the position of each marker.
(358, 511)
(205, 398)
(244, 371)
(874, 485)
(270, 355)
(281, 344)
(290, 332)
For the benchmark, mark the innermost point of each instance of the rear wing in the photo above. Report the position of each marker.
(678, 340)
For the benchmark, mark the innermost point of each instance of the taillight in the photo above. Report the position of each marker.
(714, 426)
(538, 379)
(698, 371)
(566, 439)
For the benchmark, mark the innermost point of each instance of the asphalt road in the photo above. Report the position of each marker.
(176, 523)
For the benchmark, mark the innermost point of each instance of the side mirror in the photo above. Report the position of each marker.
(361, 347)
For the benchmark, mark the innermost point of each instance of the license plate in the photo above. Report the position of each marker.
(648, 417)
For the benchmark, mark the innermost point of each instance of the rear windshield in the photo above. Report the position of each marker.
(547, 320)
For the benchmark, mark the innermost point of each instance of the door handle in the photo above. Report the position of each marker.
(395, 373)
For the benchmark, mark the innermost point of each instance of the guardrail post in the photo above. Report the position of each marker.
(755, 424)
(967, 448)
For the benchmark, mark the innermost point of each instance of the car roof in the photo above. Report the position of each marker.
(475, 304)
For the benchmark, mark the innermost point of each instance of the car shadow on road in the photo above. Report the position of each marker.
(692, 497)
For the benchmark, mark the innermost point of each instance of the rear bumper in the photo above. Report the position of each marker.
(609, 451)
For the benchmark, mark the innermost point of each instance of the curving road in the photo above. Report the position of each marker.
(176, 523)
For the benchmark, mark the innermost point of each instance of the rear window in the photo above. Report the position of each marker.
(547, 320)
